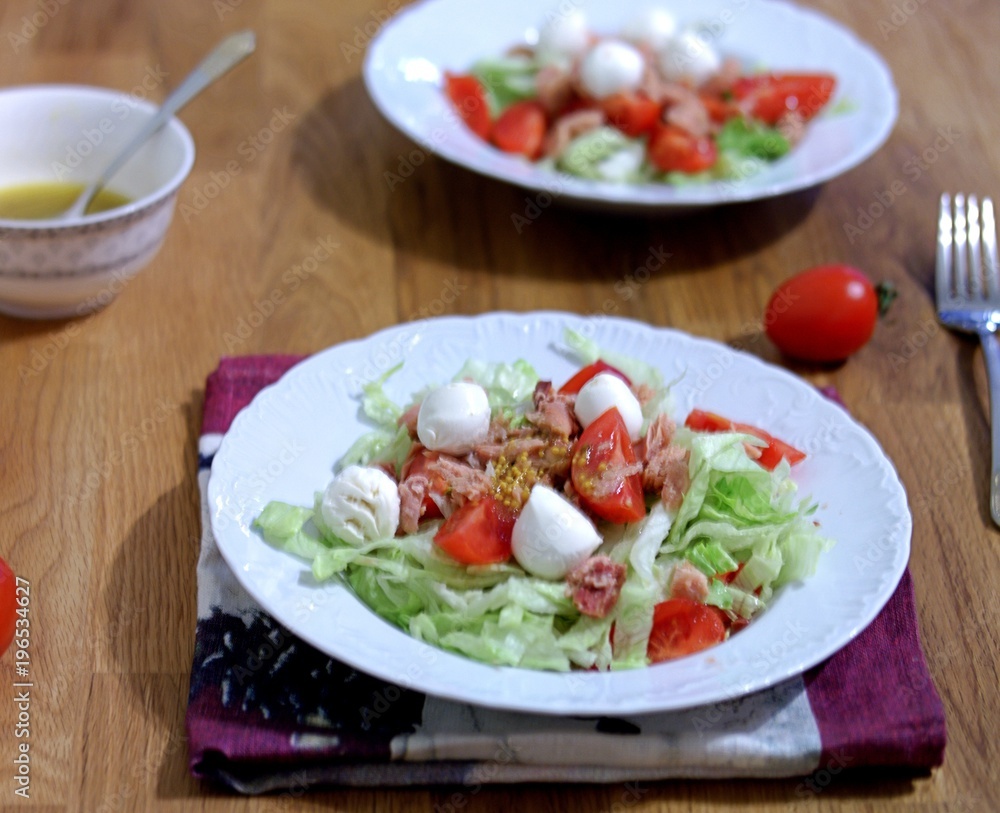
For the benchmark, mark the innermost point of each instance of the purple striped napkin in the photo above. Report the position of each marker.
(268, 712)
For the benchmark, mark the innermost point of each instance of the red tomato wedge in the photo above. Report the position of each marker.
(672, 149)
(634, 115)
(575, 384)
(772, 95)
(8, 605)
(681, 627)
(469, 98)
(601, 459)
(770, 455)
(520, 129)
(729, 577)
(478, 533)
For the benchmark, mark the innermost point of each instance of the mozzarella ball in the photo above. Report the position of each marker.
(689, 56)
(611, 67)
(606, 390)
(454, 418)
(653, 27)
(551, 536)
(563, 37)
(361, 504)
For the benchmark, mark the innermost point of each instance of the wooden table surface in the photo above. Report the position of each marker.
(98, 495)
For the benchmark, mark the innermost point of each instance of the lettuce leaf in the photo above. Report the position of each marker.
(509, 387)
(752, 139)
(506, 80)
(388, 441)
(585, 154)
(735, 508)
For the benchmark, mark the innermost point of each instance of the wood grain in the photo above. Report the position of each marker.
(98, 497)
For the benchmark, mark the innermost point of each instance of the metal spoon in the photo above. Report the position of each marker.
(226, 55)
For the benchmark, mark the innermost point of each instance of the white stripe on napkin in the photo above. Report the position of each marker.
(770, 733)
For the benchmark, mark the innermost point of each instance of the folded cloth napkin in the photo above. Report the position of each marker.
(268, 712)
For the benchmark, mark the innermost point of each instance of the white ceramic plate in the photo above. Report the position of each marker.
(404, 65)
(283, 446)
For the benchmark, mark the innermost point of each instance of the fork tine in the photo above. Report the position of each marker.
(961, 248)
(975, 262)
(991, 272)
(942, 276)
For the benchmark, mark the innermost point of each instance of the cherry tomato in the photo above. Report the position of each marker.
(770, 455)
(672, 149)
(520, 129)
(772, 95)
(823, 314)
(634, 115)
(469, 99)
(575, 384)
(8, 605)
(478, 533)
(682, 626)
(603, 453)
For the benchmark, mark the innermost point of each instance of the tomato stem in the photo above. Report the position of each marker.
(886, 293)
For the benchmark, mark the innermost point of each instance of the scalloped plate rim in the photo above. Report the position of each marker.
(574, 693)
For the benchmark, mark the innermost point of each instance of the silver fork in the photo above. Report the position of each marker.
(968, 295)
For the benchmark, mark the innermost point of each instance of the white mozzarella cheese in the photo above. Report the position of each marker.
(361, 504)
(551, 535)
(606, 390)
(454, 418)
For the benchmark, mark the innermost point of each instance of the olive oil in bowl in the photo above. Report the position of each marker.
(48, 199)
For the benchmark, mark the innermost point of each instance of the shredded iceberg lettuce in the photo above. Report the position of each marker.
(506, 80)
(587, 155)
(388, 441)
(508, 386)
(736, 518)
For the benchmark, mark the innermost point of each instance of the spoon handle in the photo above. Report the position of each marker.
(226, 55)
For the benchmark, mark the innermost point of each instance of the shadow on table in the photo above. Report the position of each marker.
(149, 624)
(357, 165)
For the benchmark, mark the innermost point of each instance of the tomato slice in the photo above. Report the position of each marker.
(672, 149)
(634, 115)
(520, 129)
(602, 456)
(575, 384)
(469, 99)
(770, 455)
(682, 626)
(478, 533)
(730, 577)
(772, 95)
(8, 605)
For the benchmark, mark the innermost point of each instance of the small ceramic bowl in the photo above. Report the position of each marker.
(68, 133)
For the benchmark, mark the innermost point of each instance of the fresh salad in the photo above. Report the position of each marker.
(524, 523)
(654, 103)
